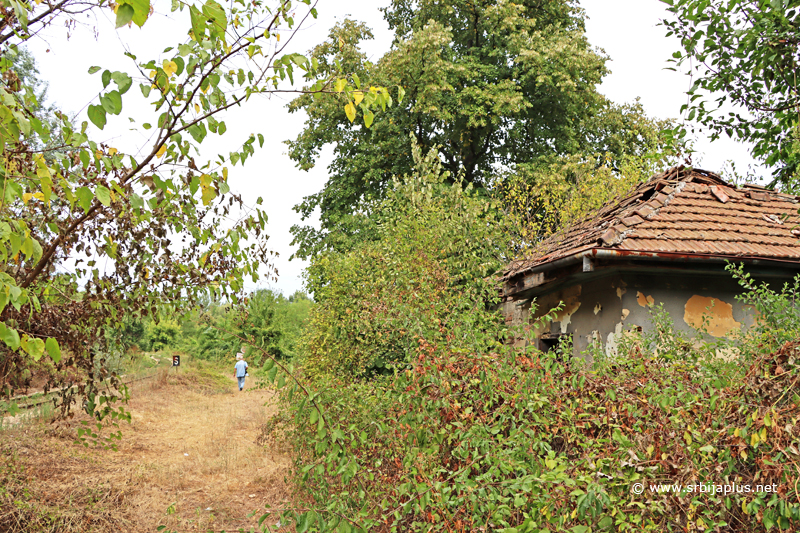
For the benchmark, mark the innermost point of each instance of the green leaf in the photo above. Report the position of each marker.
(181, 65)
(85, 197)
(97, 115)
(198, 23)
(136, 201)
(123, 81)
(216, 14)
(369, 116)
(32, 346)
(103, 195)
(141, 10)
(111, 102)
(93, 70)
(53, 349)
(9, 336)
(198, 131)
(124, 15)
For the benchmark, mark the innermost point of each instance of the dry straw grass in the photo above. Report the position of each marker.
(189, 460)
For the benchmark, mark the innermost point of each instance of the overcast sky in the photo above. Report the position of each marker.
(626, 29)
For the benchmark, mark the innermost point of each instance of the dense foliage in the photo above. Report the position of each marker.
(520, 441)
(267, 320)
(742, 55)
(427, 275)
(494, 86)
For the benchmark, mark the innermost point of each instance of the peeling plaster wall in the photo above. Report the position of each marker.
(603, 310)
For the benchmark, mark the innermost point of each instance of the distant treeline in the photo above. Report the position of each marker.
(267, 319)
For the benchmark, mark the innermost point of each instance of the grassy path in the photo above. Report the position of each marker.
(190, 460)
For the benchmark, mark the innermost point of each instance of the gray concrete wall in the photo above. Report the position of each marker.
(601, 310)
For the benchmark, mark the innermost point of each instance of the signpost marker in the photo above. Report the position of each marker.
(176, 361)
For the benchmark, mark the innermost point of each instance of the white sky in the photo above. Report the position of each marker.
(626, 29)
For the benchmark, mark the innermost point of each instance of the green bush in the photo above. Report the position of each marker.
(520, 442)
(162, 334)
(428, 274)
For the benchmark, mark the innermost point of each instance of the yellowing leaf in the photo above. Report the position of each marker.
(754, 439)
(358, 96)
(208, 195)
(225, 173)
(196, 108)
(162, 150)
(339, 85)
(743, 454)
(350, 111)
(736, 432)
(205, 180)
(170, 67)
(278, 36)
(112, 151)
(153, 73)
(26, 197)
(744, 507)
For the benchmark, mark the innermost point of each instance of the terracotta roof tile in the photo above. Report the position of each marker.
(679, 212)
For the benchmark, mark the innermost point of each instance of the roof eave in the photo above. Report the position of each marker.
(588, 256)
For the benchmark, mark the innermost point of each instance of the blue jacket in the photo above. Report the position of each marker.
(241, 369)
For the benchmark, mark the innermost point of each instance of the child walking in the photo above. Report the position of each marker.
(241, 368)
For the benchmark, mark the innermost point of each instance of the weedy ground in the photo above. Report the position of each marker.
(193, 459)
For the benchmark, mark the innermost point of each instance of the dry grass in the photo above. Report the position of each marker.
(189, 460)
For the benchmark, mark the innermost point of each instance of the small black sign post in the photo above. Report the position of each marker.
(176, 361)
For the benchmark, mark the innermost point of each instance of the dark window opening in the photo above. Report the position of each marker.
(549, 342)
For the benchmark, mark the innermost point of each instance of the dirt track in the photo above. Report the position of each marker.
(189, 461)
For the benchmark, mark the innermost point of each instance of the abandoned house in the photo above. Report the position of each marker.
(667, 242)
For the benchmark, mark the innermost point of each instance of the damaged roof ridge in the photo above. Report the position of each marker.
(613, 235)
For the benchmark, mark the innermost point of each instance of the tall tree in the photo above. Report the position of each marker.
(743, 57)
(492, 84)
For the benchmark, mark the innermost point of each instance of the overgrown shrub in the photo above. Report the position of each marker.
(476, 436)
(512, 441)
(427, 274)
